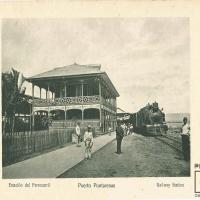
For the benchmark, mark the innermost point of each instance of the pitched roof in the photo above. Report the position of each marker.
(75, 70)
(70, 70)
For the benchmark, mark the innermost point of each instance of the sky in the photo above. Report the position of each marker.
(147, 59)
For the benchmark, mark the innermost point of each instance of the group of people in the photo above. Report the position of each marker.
(128, 128)
(121, 131)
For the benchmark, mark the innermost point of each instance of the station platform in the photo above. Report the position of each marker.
(53, 164)
(142, 156)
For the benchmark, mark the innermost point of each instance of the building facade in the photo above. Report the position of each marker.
(74, 93)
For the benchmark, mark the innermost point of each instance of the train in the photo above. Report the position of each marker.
(149, 120)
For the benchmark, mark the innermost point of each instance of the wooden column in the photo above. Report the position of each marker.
(100, 89)
(33, 121)
(82, 100)
(65, 114)
(33, 90)
(48, 92)
(40, 93)
(100, 97)
(136, 120)
(65, 96)
(104, 121)
(65, 89)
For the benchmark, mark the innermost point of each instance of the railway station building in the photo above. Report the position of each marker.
(74, 93)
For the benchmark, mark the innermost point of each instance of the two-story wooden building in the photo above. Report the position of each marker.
(76, 92)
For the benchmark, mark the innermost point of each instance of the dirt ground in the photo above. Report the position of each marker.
(141, 157)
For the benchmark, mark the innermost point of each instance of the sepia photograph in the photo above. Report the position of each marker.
(95, 97)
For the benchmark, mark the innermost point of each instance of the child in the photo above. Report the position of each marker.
(88, 140)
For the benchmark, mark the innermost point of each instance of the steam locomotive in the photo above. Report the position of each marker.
(149, 120)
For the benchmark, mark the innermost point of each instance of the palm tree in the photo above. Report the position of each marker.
(12, 95)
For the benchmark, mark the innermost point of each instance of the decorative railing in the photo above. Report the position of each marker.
(67, 101)
(79, 100)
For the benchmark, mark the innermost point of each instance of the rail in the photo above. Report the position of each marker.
(171, 141)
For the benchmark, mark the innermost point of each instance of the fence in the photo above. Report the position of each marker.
(21, 145)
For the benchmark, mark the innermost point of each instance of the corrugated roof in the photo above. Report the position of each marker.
(70, 70)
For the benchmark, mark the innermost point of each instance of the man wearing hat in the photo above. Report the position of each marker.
(119, 137)
(88, 140)
(185, 134)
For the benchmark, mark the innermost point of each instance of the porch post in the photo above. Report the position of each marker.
(48, 92)
(104, 122)
(82, 99)
(30, 123)
(33, 90)
(33, 121)
(40, 93)
(65, 114)
(115, 111)
(65, 89)
(100, 116)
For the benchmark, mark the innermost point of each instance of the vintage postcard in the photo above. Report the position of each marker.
(100, 100)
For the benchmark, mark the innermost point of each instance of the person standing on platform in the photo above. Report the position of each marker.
(185, 134)
(109, 130)
(119, 137)
(124, 128)
(78, 134)
(131, 129)
(88, 140)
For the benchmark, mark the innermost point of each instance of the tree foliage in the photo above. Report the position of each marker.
(11, 97)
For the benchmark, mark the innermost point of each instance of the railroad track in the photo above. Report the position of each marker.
(171, 141)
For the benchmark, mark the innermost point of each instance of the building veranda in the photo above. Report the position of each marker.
(75, 93)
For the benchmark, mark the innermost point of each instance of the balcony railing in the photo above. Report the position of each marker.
(67, 101)
(64, 101)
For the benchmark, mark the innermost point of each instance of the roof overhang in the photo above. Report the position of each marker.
(109, 82)
(103, 75)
